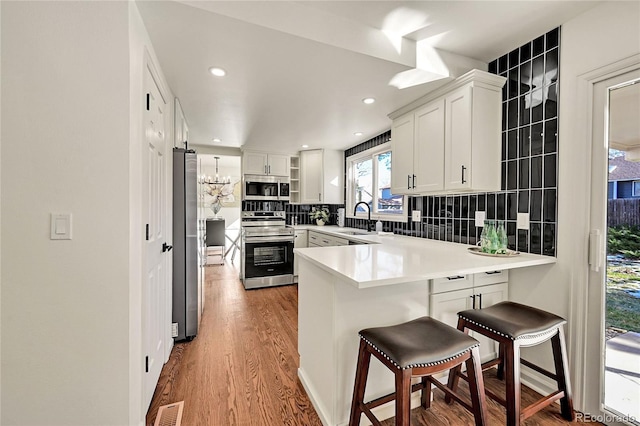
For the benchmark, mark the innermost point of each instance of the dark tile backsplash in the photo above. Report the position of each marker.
(299, 211)
(529, 161)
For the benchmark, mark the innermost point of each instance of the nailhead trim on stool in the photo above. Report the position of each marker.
(521, 337)
(443, 361)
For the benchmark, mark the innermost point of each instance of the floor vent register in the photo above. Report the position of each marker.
(170, 415)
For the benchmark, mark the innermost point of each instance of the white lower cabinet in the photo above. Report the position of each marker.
(469, 292)
(301, 241)
(319, 239)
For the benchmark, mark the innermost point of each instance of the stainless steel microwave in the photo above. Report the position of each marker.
(265, 188)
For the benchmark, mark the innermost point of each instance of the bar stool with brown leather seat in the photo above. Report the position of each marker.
(514, 326)
(418, 348)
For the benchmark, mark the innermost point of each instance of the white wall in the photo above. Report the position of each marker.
(228, 166)
(600, 36)
(67, 147)
(0, 213)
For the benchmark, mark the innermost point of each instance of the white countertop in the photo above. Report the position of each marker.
(397, 259)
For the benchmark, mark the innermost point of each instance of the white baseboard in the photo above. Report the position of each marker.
(308, 387)
(538, 382)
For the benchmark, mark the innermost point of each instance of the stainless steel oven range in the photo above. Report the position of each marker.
(267, 249)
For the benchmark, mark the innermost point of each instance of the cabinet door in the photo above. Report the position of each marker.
(402, 156)
(486, 296)
(428, 148)
(332, 176)
(301, 241)
(254, 163)
(445, 306)
(314, 239)
(311, 176)
(279, 165)
(458, 139)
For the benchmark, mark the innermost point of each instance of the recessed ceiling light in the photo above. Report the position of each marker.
(358, 134)
(218, 72)
(368, 100)
(216, 140)
(305, 146)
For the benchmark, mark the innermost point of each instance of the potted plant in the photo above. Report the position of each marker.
(320, 215)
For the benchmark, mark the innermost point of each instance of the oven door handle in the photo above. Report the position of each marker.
(268, 239)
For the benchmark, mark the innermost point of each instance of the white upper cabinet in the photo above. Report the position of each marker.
(260, 163)
(417, 142)
(321, 177)
(449, 141)
(402, 155)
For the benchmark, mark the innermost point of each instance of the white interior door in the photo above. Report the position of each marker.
(155, 220)
(595, 342)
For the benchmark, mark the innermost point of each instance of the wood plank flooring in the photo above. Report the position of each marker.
(241, 369)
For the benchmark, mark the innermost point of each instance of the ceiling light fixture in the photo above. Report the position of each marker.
(305, 146)
(358, 134)
(218, 72)
(368, 101)
(216, 140)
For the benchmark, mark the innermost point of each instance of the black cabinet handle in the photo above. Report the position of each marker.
(414, 181)
(166, 247)
(408, 181)
(473, 298)
(463, 169)
(480, 297)
(457, 277)
(493, 272)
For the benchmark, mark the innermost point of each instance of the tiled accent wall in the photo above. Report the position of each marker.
(529, 160)
(299, 211)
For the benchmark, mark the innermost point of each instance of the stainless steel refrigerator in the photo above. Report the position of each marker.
(185, 244)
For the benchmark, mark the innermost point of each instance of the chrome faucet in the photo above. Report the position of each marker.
(355, 209)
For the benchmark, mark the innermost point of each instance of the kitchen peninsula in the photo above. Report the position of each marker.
(387, 280)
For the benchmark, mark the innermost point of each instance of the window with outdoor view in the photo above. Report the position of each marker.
(370, 181)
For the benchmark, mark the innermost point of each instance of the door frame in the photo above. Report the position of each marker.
(588, 329)
(149, 65)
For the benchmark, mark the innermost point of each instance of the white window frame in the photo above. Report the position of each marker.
(350, 202)
(635, 193)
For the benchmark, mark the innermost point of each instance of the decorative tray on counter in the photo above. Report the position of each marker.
(478, 251)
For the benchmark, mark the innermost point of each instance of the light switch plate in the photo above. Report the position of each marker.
(523, 221)
(60, 226)
(480, 215)
(416, 215)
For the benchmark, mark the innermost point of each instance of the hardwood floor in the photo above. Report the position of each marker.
(241, 369)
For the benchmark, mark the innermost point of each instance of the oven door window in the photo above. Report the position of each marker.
(268, 259)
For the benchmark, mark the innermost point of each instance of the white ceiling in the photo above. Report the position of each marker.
(297, 71)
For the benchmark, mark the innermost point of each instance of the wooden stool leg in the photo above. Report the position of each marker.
(425, 399)
(500, 372)
(476, 387)
(362, 369)
(403, 397)
(562, 374)
(512, 371)
(454, 377)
